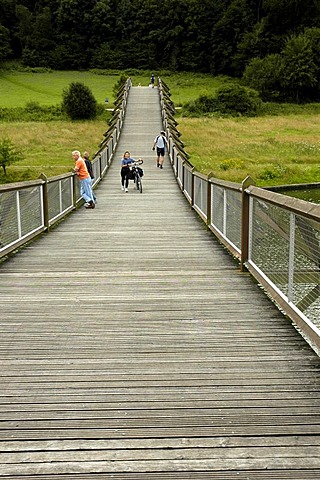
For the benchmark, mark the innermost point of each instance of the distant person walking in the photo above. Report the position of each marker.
(152, 80)
(88, 163)
(84, 178)
(160, 143)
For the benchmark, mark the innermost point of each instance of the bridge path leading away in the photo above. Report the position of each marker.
(133, 348)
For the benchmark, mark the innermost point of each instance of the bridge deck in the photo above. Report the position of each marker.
(133, 348)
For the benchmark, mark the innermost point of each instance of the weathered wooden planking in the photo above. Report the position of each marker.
(159, 443)
(299, 474)
(133, 348)
(158, 465)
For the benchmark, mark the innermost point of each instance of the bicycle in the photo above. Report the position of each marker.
(136, 172)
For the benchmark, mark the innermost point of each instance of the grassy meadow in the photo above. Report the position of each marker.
(47, 146)
(280, 147)
(273, 150)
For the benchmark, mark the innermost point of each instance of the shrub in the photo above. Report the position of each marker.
(235, 99)
(78, 102)
(230, 99)
(33, 107)
(265, 76)
(202, 105)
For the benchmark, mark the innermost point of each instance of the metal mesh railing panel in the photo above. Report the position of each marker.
(30, 200)
(188, 182)
(8, 219)
(233, 217)
(60, 196)
(67, 193)
(269, 242)
(217, 207)
(104, 160)
(306, 268)
(179, 170)
(201, 194)
(54, 199)
(95, 169)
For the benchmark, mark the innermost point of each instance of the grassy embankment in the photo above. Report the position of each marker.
(282, 146)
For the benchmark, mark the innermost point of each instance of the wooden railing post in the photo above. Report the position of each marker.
(182, 180)
(245, 222)
(99, 167)
(45, 201)
(192, 186)
(209, 199)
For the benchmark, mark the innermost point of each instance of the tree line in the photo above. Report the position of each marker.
(209, 36)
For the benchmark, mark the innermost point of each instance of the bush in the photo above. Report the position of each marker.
(230, 99)
(265, 76)
(202, 105)
(235, 99)
(78, 102)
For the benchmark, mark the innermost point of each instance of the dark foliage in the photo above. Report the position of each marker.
(235, 99)
(78, 102)
(229, 99)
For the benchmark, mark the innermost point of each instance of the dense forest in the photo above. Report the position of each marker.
(211, 36)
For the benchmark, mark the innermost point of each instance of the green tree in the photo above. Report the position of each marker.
(78, 102)
(254, 44)
(313, 35)
(8, 154)
(265, 75)
(288, 16)
(24, 24)
(300, 73)
(5, 49)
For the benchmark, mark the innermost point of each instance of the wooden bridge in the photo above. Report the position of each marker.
(133, 348)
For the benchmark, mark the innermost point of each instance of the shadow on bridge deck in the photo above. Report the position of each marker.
(133, 348)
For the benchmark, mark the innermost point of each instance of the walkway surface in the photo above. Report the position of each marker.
(133, 348)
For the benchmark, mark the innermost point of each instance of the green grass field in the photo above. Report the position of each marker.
(47, 146)
(19, 88)
(280, 147)
(273, 150)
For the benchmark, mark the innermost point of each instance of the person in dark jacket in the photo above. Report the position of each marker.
(86, 158)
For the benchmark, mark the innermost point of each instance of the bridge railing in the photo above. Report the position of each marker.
(275, 237)
(30, 208)
(283, 253)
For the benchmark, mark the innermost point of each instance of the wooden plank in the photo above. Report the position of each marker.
(162, 443)
(179, 464)
(299, 474)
